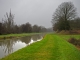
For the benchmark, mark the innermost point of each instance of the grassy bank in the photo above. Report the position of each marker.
(52, 47)
(67, 37)
(16, 35)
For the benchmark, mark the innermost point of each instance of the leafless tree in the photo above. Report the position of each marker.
(0, 28)
(8, 22)
(26, 28)
(66, 11)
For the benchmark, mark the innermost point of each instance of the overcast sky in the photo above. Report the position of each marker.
(33, 11)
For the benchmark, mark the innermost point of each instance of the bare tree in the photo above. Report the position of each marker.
(66, 11)
(0, 28)
(26, 28)
(8, 22)
(35, 28)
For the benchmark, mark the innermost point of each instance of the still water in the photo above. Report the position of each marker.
(9, 46)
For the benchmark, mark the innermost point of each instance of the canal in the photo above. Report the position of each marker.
(9, 46)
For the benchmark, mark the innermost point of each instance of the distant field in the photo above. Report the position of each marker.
(52, 47)
(16, 35)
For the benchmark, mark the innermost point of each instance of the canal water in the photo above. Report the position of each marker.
(9, 46)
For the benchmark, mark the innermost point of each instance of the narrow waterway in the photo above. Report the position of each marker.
(9, 46)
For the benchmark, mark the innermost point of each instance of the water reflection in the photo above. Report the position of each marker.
(36, 37)
(25, 39)
(9, 46)
(6, 47)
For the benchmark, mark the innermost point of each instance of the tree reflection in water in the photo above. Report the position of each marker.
(11, 45)
(6, 46)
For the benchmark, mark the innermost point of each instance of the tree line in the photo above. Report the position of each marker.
(7, 26)
(65, 17)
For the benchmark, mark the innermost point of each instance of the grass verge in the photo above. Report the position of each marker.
(16, 35)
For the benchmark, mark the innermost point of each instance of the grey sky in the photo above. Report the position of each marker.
(33, 11)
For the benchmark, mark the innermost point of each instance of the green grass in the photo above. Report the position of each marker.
(52, 47)
(16, 35)
(67, 37)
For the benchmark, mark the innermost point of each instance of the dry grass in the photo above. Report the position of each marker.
(70, 32)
